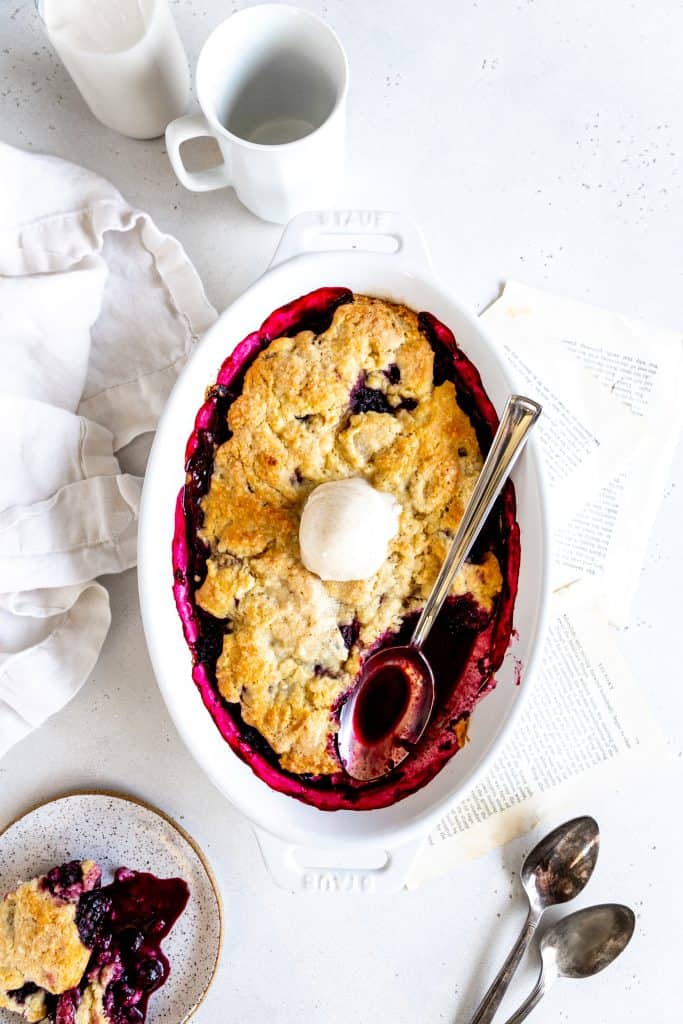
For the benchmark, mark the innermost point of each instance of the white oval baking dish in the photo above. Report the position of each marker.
(305, 848)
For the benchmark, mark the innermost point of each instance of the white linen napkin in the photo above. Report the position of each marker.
(98, 311)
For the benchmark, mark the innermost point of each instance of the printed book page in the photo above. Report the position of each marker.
(601, 531)
(612, 417)
(584, 724)
(584, 433)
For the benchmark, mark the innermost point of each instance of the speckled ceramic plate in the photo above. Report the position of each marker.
(118, 831)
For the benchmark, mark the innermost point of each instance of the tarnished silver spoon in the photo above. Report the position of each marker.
(385, 716)
(555, 871)
(579, 946)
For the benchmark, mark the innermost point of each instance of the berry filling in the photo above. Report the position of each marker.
(369, 400)
(465, 648)
(20, 995)
(349, 633)
(69, 882)
(364, 399)
(124, 924)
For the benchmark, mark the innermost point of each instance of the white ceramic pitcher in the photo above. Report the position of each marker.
(126, 59)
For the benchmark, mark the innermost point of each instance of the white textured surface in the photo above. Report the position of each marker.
(536, 140)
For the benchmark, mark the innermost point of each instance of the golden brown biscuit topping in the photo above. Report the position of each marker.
(356, 400)
(39, 942)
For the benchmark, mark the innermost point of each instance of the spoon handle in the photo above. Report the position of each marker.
(523, 1011)
(518, 419)
(499, 986)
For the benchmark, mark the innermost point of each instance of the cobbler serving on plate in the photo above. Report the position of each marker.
(75, 952)
(337, 387)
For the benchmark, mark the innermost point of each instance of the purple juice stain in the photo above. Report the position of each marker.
(465, 648)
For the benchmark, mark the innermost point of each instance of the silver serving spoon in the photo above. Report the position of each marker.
(579, 946)
(385, 716)
(555, 871)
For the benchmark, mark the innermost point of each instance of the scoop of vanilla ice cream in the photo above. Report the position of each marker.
(345, 529)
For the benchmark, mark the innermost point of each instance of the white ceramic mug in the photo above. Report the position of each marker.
(271, 83)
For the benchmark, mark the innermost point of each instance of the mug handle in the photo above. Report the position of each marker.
(348, 870)
(193, 126)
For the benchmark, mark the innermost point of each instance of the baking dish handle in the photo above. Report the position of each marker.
(348, 870)
(377, 231)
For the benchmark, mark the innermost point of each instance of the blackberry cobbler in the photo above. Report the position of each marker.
(75, 952)
(335, 386)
